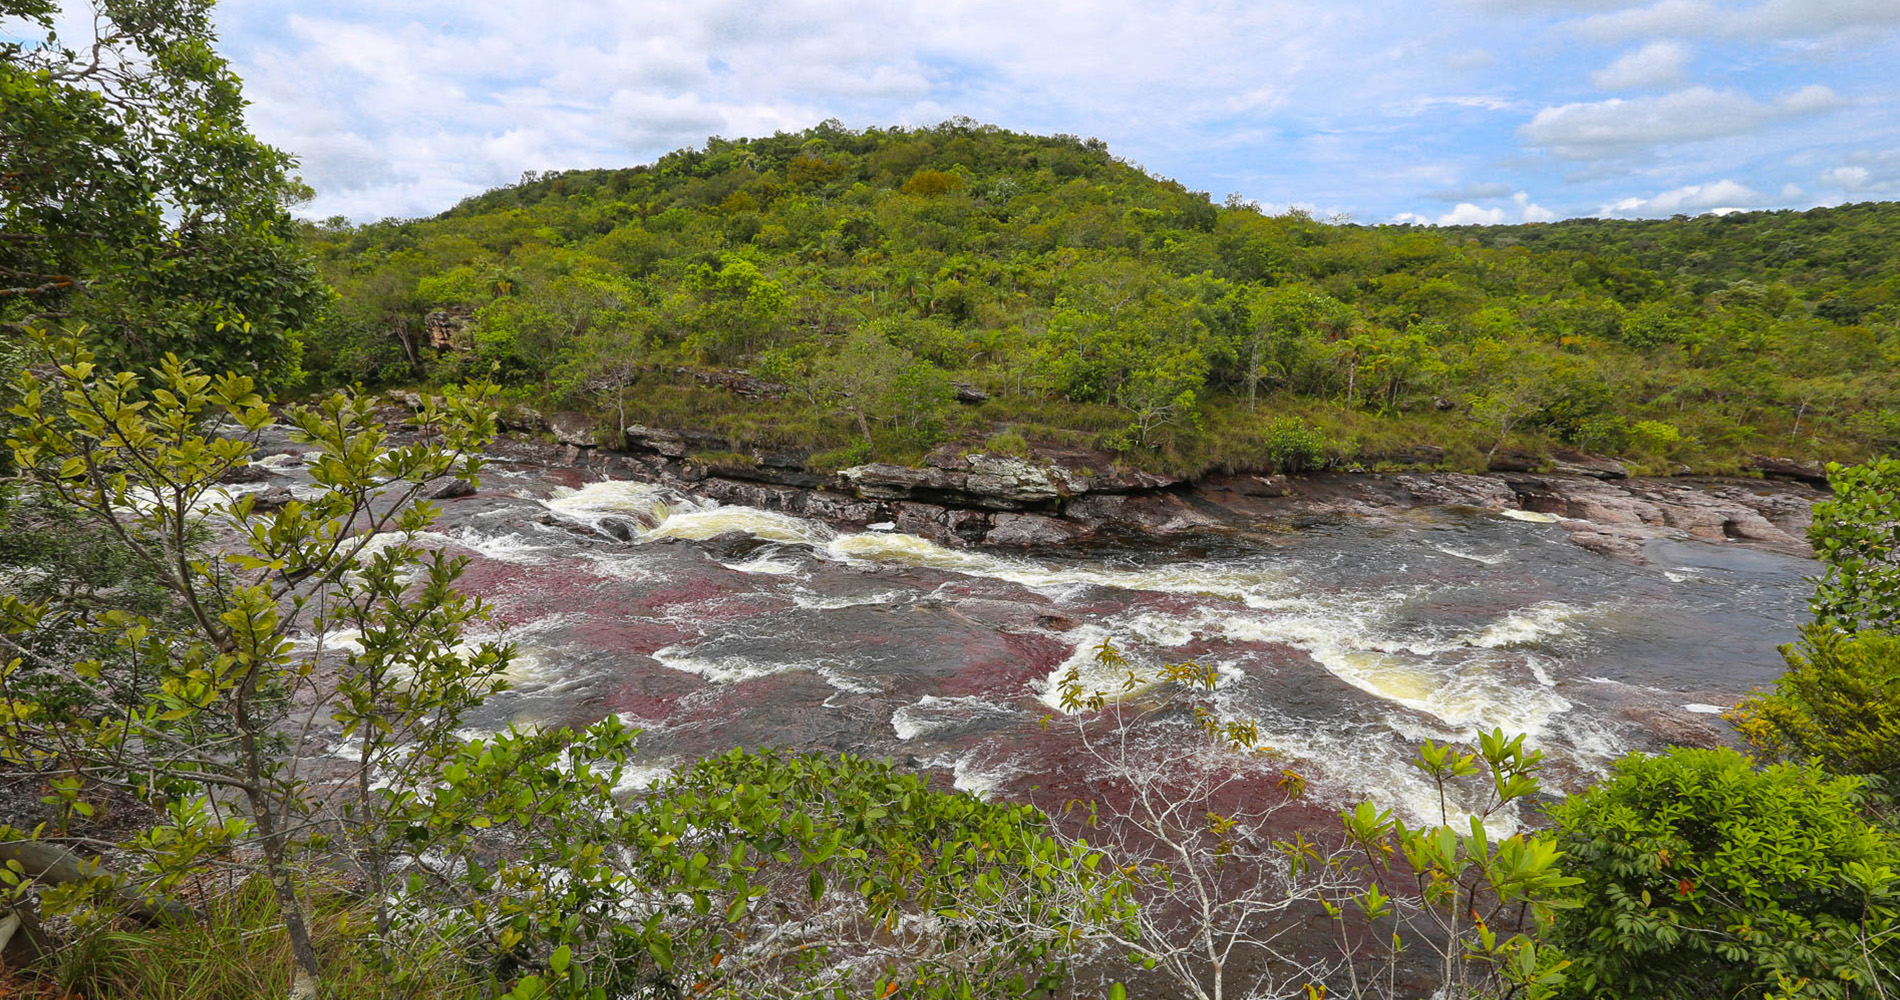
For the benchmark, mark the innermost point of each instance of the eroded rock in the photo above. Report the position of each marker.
(574, 428)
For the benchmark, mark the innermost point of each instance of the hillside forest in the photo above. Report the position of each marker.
(866, 275)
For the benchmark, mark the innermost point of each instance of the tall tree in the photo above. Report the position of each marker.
(134, 201)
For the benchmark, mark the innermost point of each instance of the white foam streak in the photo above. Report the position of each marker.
(1249, 584)
(1495, 560)
(931, 714)
(660, 512)
(738, 669)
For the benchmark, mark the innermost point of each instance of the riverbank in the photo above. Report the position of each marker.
(1057, 496)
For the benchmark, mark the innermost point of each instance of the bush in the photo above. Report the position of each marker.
(1838, 704)
(856, 453)
(1653, 437)
(1857, 536)
(1704, 877)
(1293, 446)
(1007, 443)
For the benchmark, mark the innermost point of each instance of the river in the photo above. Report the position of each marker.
(1345, 640)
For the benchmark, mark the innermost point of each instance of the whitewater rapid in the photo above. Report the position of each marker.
(1425, 678)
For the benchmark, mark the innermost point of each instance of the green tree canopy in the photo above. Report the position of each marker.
(134, 201)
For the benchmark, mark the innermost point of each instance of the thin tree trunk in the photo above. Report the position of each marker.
(276, 862)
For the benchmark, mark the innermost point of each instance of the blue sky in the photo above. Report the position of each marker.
(1420, 110)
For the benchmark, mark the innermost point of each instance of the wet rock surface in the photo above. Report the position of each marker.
(1349, 614)
(1053, 497)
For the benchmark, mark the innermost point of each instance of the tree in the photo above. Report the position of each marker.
(135, 202)
(1857, 537)
(1162, 389)
(1289, 324)
(1474, 902)
(1703, 876)
(734, 308)
(1838, 704)
(1219, 895)
(604, 364)
(206, 717)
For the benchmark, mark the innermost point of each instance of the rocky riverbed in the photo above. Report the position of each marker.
(923, 614)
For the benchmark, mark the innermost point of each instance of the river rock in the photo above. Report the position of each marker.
(249, 472)
(1454, 489)
(1813, 473)
(1513, 461)
(574, 428)
(1577, 463)
(274, 498)
(1676, 727)
(989, 482)
(516, 417)
(1029, 529)
(453, 489)
(655, 439)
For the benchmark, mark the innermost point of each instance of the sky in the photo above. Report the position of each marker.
(1438, 111)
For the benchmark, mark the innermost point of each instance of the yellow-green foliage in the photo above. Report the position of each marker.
(1838, 702)
(1099, 305)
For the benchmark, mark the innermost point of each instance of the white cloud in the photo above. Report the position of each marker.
(1470, 59)
(1851, 178)
(405, 108)
(1531, 211)
(1420, 105)
(1658, 64)
(455, 97)
(1618, 127)
(1719, 197)
(1467, 213)
(1775, 20)
(1865, 174)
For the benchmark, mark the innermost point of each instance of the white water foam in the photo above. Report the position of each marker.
(738, 669)
(772, 560)
(1534, 516)
(1230, 582)
(1495, 560)
(931, 714)
(1538, 623)
(810, 601)
(666, 513)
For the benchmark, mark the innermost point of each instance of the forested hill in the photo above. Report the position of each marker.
(870, 272)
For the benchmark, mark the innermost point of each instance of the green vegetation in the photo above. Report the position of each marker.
(168, 661)
(1704, 876)
(1095, 304)
(135, 200)
(1858, 541)
(508, 860)
(1838, 704)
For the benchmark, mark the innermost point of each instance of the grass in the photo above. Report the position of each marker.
(239, 953)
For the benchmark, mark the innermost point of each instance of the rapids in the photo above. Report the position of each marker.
(711, 626)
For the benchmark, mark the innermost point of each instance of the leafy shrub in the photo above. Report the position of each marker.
(1292, 445)
(1839, 703)
(1857, 536)
(1704, 877)
(857, 452)
(1653, 436)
